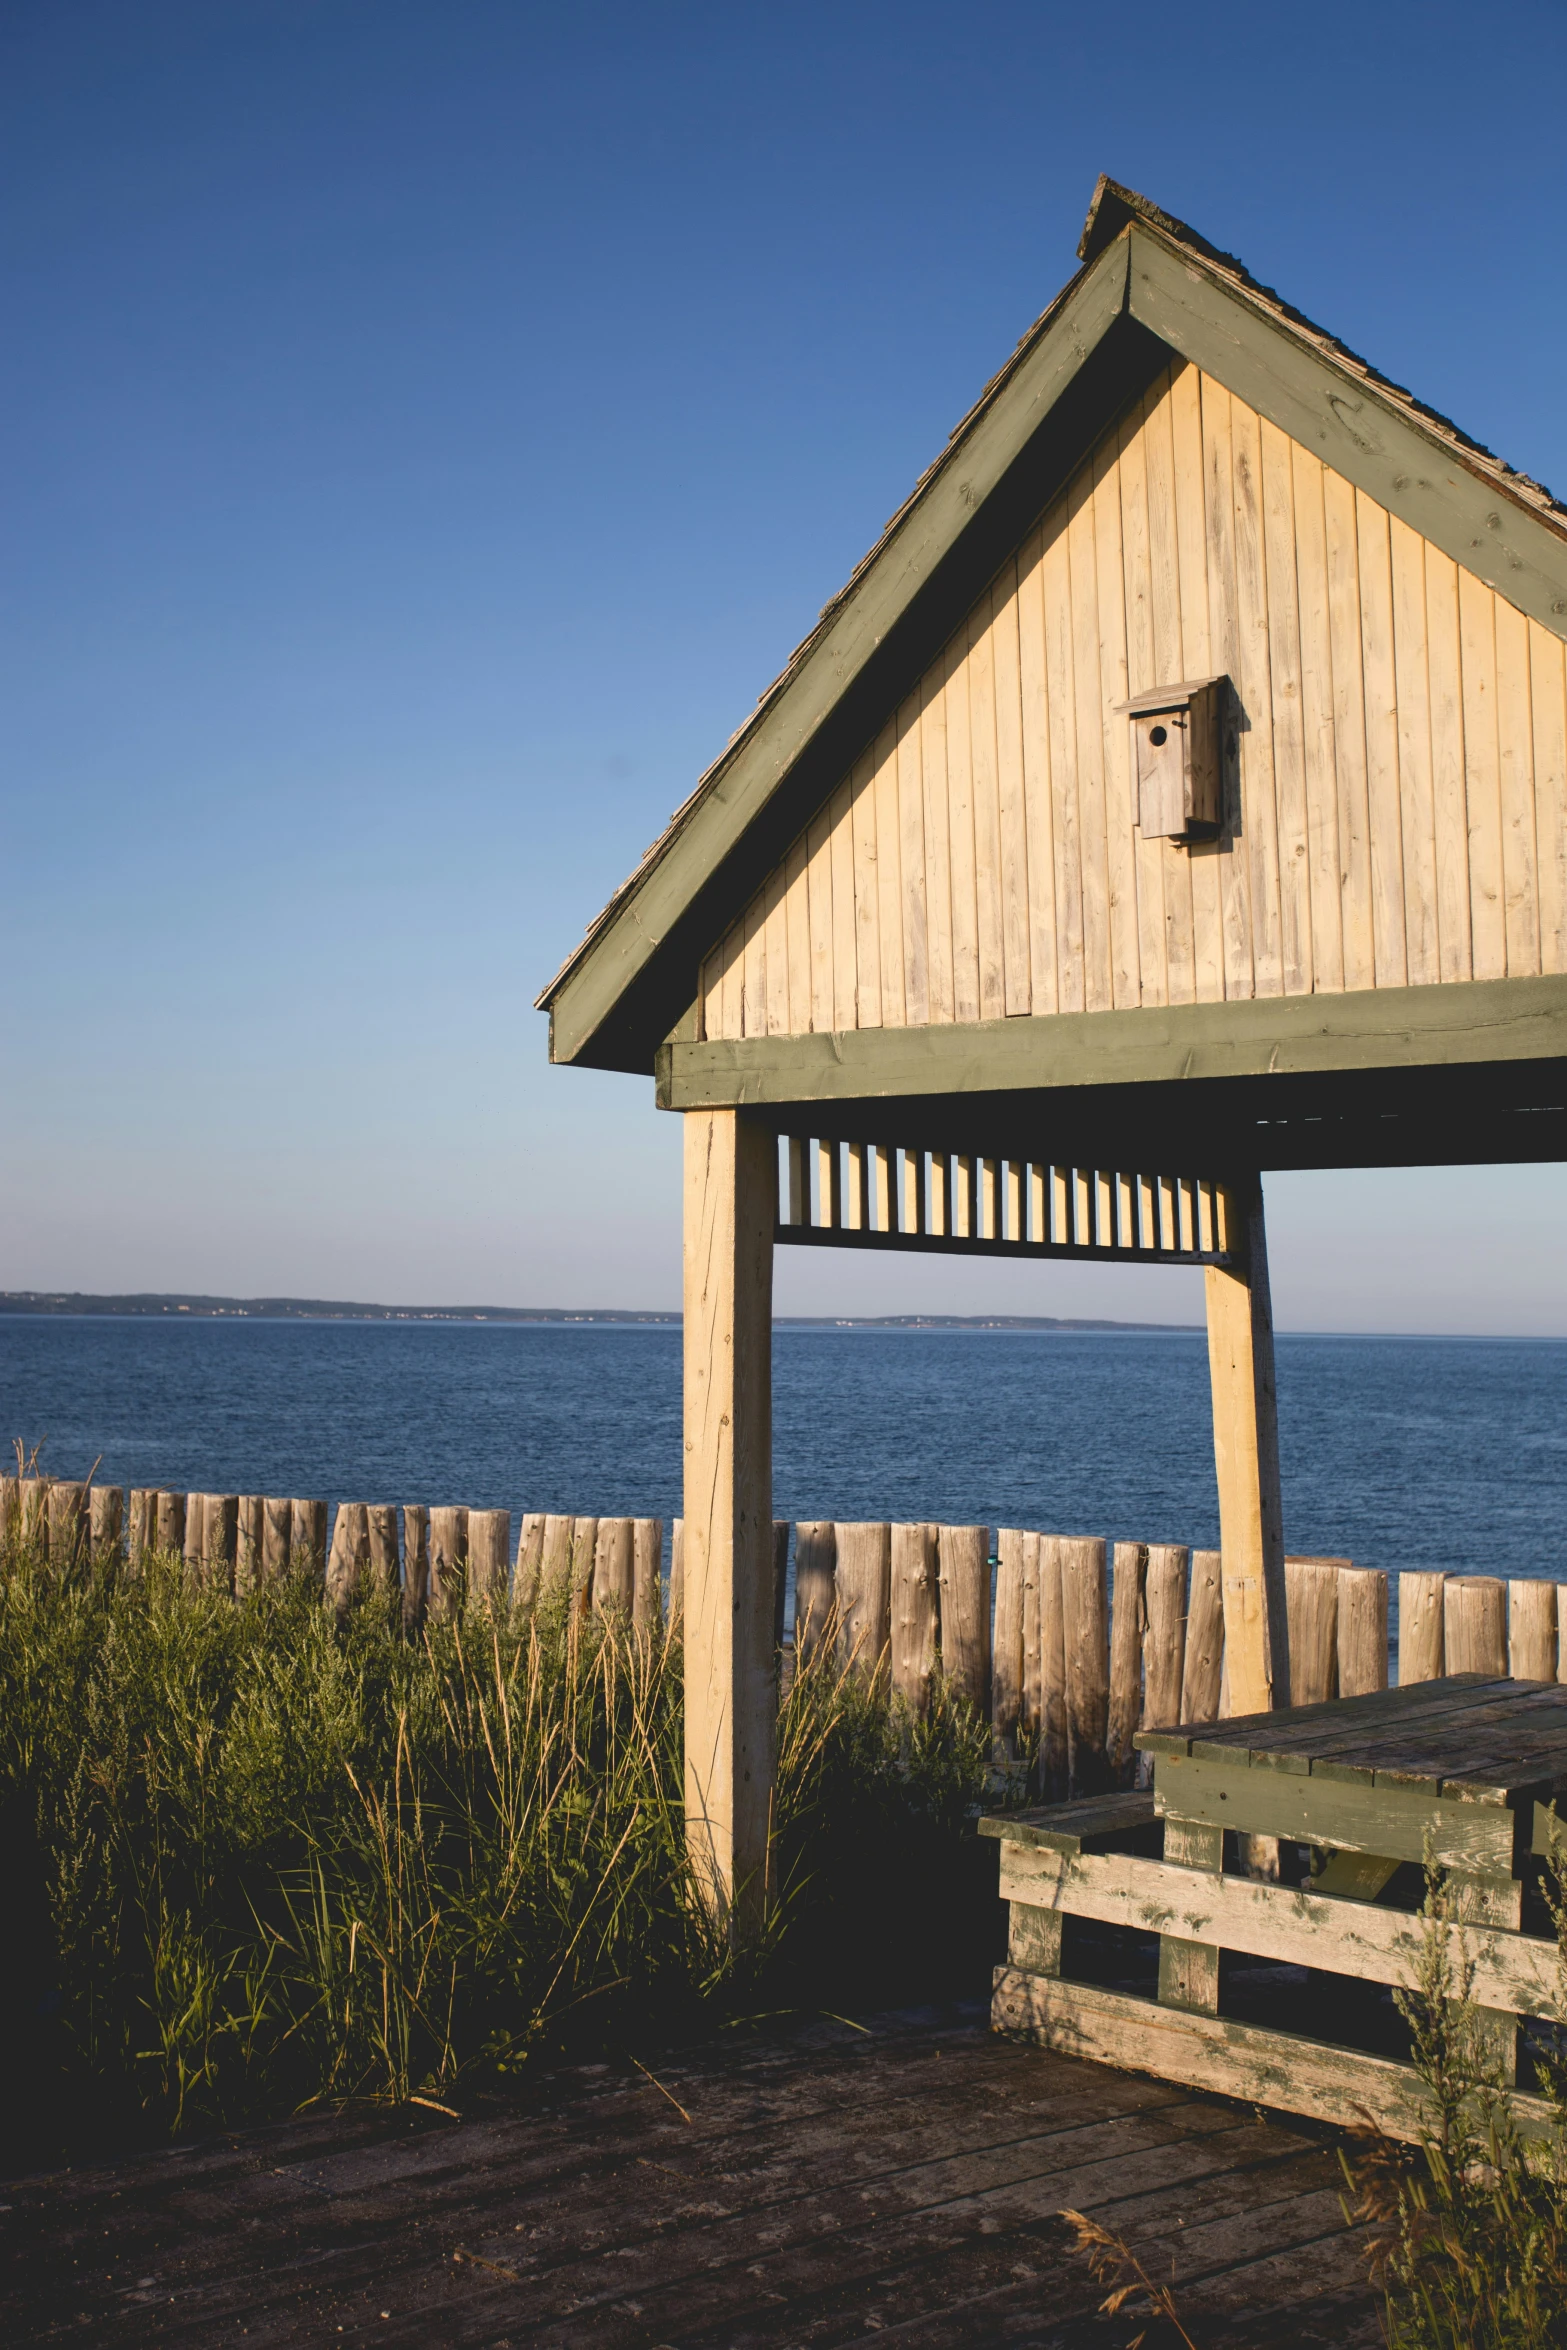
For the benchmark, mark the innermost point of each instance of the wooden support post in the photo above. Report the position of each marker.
(1164, 1641)
(864, 1595)
(10, 1510)
(815, 1585)
(914, 1613)
(33, 1512)
(731, 1182)
(1246, 1457)
(1189, 1971)
(1031, 1686)
(143, 1524)
(1128, 1622)
(350, 1551)
(677, 1573)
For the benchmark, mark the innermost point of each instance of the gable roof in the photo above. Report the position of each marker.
(1148, 286)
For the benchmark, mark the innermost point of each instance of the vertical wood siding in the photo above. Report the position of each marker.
(1403, 761)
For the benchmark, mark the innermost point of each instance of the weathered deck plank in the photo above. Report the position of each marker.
(829, 2186)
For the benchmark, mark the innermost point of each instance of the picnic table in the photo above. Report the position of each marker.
(1274, 1875)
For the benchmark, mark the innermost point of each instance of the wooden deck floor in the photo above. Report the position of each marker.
(830, 2187)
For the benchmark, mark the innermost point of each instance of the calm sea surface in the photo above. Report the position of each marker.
(1397, 1452)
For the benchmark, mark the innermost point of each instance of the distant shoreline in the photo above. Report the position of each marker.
(152, 1305)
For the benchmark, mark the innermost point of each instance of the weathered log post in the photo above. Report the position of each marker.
(277, 1526)
(815, 1585)
(1006, 1654)
(1311, 1588)
(864, 1595)
(1128, 1628)
(1531, 1630)
(647, 1573)
(307, 1540)
(963, 1573)
(106, 1522)
(1246, 1456)
(1362, 1630)
(1164, 1642)
(1054, 1748)
(614, 1566)
(1422, 1641)
(781, 1532)
(349, 1554)
(448, 1559)
(731, 1206)
(219, 1541)
(914, 1613)
(1085, 1618)
(386, 1566)
(1204, 1667)
(584, 1550)
(142, 1536)
(171, 1524)
(416, 1564)
(67, 1520)
(489, 1557)
(1474, 1625)
(195, 1540)
(530, 1559)
(555, 1561)
(252, 1543)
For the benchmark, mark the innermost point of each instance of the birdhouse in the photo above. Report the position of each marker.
(1177, 736)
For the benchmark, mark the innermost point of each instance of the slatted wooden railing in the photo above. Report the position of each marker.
(870, 1194)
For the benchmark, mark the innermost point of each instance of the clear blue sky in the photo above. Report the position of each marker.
(427, 428)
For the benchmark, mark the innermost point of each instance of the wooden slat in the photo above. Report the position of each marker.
(1061, 693)
(1006, 1682)
(815, 1585)
(867, 896)
(1325, 857)
(912, 934)
(966, 992)
(1054, 1744)
(1515, 761)
(888, 878)
(1178, 868)
(1548, 712)
(1085, 1619)
(1292, 1927)
(845, 926)
(1212, 2052)
(1349, 772)
(820, 919)
(864, 1589)
(1479, 750)
(1164, 1639)
(1284, 670)
(1128, 1627)
(1204, 1660)
(1341, 1813)
(987, 806)
(1039, 826)
(1089, 701)
(935, 831)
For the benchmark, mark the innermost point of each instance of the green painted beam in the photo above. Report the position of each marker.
(1351, 426)
(1443, 1026)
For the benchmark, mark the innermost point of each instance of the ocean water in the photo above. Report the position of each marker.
(1397, 1452)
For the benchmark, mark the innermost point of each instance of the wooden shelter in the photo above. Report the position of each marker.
(1176, 791)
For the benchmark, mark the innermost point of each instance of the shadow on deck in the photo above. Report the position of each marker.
(830, 2187)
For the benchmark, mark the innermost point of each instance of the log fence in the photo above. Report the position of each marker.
(1070, 1646)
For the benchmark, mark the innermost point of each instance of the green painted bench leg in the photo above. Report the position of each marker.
(1189, 1971)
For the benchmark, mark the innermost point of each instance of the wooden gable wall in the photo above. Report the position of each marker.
(1403, 765)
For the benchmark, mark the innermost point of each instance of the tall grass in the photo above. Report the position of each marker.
(1468, 2228)
(255, 1857)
